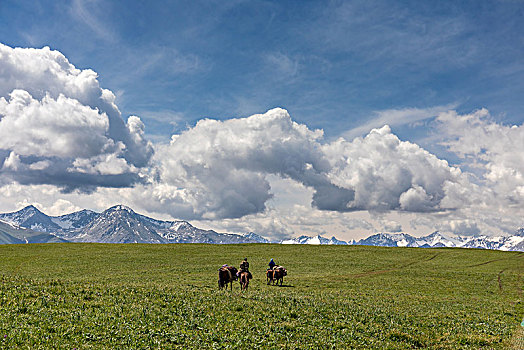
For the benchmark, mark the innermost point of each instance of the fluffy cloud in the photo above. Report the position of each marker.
(390, 226)
(460, 227)
(493, 150)
(58, 126)
(389, 174)
(220, 169)
(395, 117)
(52, 128)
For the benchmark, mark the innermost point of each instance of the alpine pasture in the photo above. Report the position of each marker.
(88, 296)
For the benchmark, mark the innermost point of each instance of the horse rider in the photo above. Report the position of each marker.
(244, 267)
(271, 264)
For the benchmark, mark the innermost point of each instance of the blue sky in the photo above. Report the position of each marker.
(331, 64)
(447, 77)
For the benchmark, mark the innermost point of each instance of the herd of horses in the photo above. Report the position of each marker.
(228, 274)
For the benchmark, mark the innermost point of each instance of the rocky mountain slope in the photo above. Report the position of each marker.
(13, 234)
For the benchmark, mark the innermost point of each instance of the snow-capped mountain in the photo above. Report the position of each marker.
(254, 237)
(120, 224)
(32, 218)
(315, 240)
(515, 242)
(389, 240)
(435, 240)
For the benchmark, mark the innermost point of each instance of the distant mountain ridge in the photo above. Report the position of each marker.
(316, 240)
(120, 224)
(435, 240)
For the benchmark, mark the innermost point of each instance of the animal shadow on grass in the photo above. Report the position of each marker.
(284, 286)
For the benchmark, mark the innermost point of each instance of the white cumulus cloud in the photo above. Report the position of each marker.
(58, 126)
(221, 169)
(494, 150)
(52, 128)
(389, 174)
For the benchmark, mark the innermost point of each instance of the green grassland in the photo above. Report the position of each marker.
(166, 296)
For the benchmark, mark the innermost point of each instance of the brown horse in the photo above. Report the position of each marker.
(277, 274)
(226, 274)
(269, 276)
(244, 280)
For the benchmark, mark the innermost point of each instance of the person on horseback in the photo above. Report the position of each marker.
(244, 267)
(271, 264)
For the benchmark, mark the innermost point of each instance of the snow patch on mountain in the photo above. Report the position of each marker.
(15, 226)
(74, 220)
(255, 238)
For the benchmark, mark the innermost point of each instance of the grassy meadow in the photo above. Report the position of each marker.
(134, 296)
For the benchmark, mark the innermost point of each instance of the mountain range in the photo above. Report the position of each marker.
(120, 224)
(513, 242)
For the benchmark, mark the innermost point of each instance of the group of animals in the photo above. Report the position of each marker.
(228, 274)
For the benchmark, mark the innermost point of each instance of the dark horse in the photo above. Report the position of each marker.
(269, 276)
(226, 274)
(277, 274)
(244, 280)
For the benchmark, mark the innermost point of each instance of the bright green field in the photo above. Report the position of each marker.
(166, 296)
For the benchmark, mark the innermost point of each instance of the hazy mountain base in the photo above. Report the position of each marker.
(11, 234)
(165, 296)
